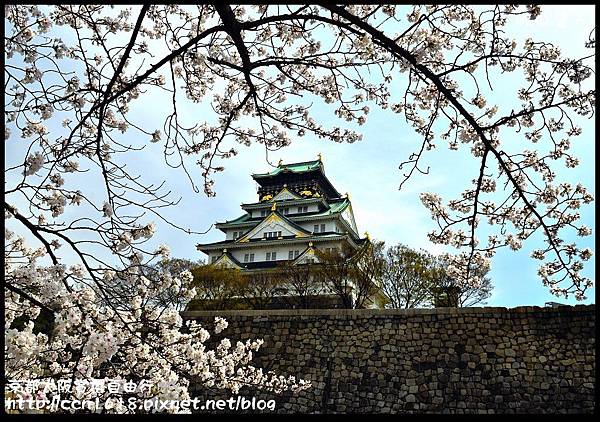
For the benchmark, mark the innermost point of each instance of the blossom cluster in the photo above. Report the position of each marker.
(91, 338)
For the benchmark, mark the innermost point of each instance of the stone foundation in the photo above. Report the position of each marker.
(444, 360)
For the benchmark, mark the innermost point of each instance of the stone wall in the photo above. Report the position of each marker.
(444, 360)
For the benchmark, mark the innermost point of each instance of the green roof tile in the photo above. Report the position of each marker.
(302, 167)
(240, 219)
(334, 208)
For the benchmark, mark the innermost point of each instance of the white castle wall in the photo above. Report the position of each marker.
(282, 251)
(330, 225)
(293, 210)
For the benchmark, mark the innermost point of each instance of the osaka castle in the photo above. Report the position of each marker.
(298, 211)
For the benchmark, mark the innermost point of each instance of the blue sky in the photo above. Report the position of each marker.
(368, 170)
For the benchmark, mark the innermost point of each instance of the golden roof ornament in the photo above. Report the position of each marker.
(274, 207)
(347, 195)
(310, 244)
(320, 157)
(267, 197)
(225, 250)
(367, 235)
(280, 163)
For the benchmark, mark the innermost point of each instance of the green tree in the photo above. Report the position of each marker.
(353, 275)
(416, 278)
(407, 277)
(334, 271)
(366, 272)
(217, 287)
(302, 284)
(259, 289)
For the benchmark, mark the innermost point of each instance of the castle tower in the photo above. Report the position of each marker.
(298, 209)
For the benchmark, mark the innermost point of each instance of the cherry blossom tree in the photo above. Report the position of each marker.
(74, 73)
(445, 289)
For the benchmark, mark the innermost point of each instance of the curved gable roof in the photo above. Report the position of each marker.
(274, 216)
(302, 167)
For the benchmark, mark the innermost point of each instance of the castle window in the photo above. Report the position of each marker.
(303, 209)
(316, 228)
(293, 254)
(249, 257)
(286, 211)
(263, 213)
(271, 256)
(322, 228)
(214, 259)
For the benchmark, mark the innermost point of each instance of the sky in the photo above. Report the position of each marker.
(368, 170)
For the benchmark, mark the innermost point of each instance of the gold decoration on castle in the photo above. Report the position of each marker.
(306, 193)
(267, 197)
(274, 207)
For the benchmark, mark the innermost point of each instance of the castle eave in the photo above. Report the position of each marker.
(228, 244)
